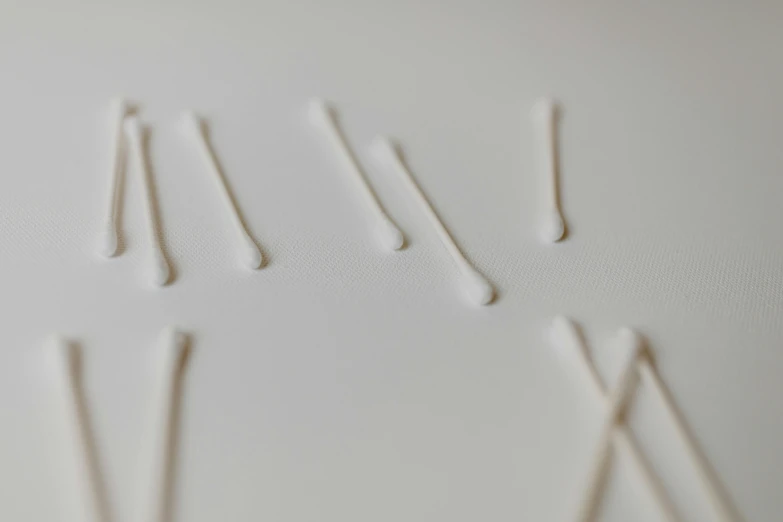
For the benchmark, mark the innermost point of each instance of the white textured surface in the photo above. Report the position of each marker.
(343, 383)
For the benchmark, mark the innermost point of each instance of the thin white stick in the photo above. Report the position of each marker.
(161, 270)
(69, 360)
(174, 350)
(475, 286)
(552, 225)
(618, 400)
(709, 481)
(250, 254)
(386, 232)
(109, 238)
(567, 339)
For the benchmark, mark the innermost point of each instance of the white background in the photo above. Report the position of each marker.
(344, 383)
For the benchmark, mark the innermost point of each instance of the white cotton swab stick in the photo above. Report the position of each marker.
(618, 400)
(322, 116)
(161, 270)
(552, 224)
(709, 481)
(249, 252)
(474, 285)
(566, 339)
(109, 238)
(174, 350)
(68, 358)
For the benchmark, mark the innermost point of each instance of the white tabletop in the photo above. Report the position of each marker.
(344, 383)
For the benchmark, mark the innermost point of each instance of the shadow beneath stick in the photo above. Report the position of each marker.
(157, 225)
(95, 477)
(206, 133)
(557, 116)
(172, 446)
(711, 476)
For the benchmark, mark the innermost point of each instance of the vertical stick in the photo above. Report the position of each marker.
(161, 271)
(174, 350)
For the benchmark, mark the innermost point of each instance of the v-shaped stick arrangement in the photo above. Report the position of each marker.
(566, 338)
(156, 507)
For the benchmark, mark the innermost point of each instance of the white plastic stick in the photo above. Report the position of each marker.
(68, 358)
(552, 224)
(109, 238)
(474, 285)
(618, 399)
(709, 482)
(160, 267)
(174, 347)
(322, 116)
(567, 340)
(249, 253)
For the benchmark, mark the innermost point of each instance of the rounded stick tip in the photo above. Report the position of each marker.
(319, 111)
(161, 270)
(552, 227)
(389, 236)
(383, 149)
(175, 345)
(109, 242)
(544, 106)
(251, 255)
(630, 340)
(119, 106)
(192, 122)
(564, 336)
(134, 127)
(477, 289)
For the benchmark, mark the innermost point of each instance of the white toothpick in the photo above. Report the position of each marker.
(160, 266)
(474, 285)
(566, 339)
(174, 348)
(618, 399)
(322, 116)
(709, 481)
(109, 238)
(249, 253)
(552, 223)
(68, 358)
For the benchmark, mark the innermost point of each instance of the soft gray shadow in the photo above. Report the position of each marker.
(119, 192)
(206, 133)
(96, 479)
(557, 182)
(154, 207)
(172, 442)
(352, 156)
(497, 293)
(709, 470)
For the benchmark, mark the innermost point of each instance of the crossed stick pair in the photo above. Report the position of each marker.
(565, 336)
(158, 505)
(125, 122)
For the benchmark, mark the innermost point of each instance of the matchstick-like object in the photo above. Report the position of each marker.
(552, 223)
(249, 252)
(161, 271)
(474, 285)
(109, 238)
(709, 481)
(618, 399)
(566, 339)
(68, 358)
(322, 117)
(174, 349)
